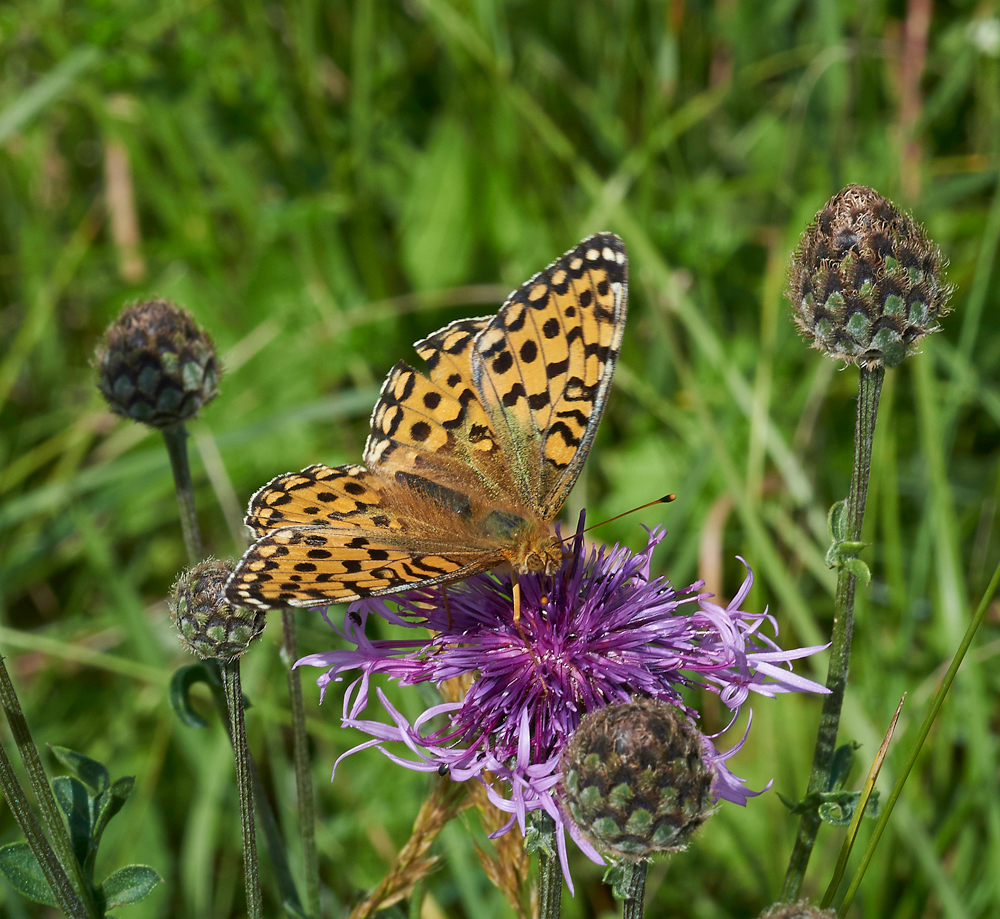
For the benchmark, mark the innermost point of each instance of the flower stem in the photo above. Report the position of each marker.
(175, 437)
(265, 812)
(234, 698)
(636, 890)
(550, 879)
(929, 718)
(303, 779)
(51, 816)
(869, 389)
(63, 891)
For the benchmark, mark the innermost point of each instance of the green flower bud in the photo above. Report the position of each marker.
(207, 624)
(866, 283)
(634, 779)
(156, 365)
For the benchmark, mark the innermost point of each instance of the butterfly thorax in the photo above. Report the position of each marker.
(527, 545)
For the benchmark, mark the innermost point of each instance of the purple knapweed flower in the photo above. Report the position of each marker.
(600, 632)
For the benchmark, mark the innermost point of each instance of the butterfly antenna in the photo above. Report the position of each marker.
(666, 499)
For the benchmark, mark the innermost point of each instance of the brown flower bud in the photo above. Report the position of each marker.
(866, 283)
(634, 779)
(156, 365)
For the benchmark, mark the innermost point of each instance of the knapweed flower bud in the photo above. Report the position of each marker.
(207, 624)
(156, 365)
(634, 780)
(866, 283)
(800, 910)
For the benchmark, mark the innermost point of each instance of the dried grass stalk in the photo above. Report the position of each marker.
(446, 800)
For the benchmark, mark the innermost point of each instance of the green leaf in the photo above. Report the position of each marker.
(788, 802)
(438, 231)
(92, 773)
(206, 672)
(293, 911)
(180, 694)
(859, 569)
(107, 805)
(128, 885)
(60, 79)
(538, 840)
(76, 805)
(21, 868)
(838, 807)
(843, 762)
(837, 521)
(617, 878)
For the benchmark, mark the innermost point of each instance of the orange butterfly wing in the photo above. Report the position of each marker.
(466, 463)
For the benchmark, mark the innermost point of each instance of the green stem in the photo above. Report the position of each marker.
(51, 815)
(268, 822)
(275, 844)
(244, 780)
(64, 893)
(869, 389)
(929, 718)
(550, 879)
(175, 437)
(303, 778)
(632, 908)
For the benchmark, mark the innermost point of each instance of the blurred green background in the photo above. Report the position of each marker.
(323, 183)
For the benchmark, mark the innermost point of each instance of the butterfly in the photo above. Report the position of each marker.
(466, 465)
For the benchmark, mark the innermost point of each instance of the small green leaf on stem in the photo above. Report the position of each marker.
(92, 773)
(128, 885)
(21, 868)
(180, 693)
(618, 877)
(74, 800)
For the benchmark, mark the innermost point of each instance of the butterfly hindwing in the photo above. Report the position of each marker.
(349, 495)
(317, 565)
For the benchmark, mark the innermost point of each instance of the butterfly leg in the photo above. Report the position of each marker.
(516, 594)
(447, 608)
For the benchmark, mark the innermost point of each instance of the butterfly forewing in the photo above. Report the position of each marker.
(544, 364)
(447, 352)
(466, 464)
(421, 428)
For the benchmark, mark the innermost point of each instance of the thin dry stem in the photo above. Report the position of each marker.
(446, 800)
(122, 211)
(508, 866)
